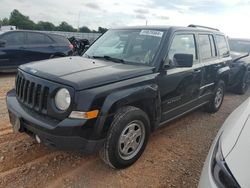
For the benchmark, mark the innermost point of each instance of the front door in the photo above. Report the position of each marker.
(180, 86)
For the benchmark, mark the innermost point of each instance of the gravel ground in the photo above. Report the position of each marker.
(173, 158)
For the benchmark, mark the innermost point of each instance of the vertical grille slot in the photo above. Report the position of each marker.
(31, 94)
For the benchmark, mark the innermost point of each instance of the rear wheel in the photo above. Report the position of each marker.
(217, 99)
(127, 137)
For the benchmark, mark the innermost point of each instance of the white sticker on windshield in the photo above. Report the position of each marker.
(152, 33)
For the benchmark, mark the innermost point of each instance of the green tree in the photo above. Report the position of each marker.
(4, 21)
(45, 26)
(84, 29)
(21, 21)
(64, 26)
(102, 30)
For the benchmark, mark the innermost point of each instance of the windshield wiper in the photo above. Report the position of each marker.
(113, 59)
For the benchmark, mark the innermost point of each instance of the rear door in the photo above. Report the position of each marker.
(180, 86)
(13, 53)
(214, 59)
(40, 46)
(209, 57)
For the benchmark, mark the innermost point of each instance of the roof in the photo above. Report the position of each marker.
(153, 27)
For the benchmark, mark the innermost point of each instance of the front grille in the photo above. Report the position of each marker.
(31, 94)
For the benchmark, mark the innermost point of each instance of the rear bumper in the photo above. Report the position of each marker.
(69, 134)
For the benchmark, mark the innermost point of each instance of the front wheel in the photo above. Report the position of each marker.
(217, 99)
(127, 137)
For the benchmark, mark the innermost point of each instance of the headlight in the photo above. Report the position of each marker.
(220, 171)
(62, 99)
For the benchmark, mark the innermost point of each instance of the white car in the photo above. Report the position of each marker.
(228, 162)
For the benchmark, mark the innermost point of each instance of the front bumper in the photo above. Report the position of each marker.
(68, 134)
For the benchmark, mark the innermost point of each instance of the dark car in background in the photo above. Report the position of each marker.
(240, 65)
(20, 47)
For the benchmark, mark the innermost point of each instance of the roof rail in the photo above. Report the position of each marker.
(200, 26)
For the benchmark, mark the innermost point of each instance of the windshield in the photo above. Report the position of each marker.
(128, 46)
(242, 46)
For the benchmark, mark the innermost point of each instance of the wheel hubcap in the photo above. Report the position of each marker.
(131, 140)
(218, 97)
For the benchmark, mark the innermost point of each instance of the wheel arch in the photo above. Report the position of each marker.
(223, 74)
(146, 98)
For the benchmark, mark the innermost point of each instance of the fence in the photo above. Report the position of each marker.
(90, 36)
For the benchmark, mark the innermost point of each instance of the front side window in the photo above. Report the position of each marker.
(131, 46)
(15, 38)
(222, 46)
(182, 44)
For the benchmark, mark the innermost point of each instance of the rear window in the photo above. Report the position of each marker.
(38, 38)
(222, 46)
(60, 39)
(15, 38)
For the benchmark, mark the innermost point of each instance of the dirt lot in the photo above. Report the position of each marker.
(173, 158)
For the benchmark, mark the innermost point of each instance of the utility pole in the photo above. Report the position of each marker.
(146, 22)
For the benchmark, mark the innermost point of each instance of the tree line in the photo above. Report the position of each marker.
(24, 22)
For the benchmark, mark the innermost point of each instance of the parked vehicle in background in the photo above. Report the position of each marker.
(79, 45)
(130, 82)
(239, 45)
(20, 47)
(240, 65)
(227, 164)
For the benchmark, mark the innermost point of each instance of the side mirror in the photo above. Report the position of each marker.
(184, 60)
(2, 43)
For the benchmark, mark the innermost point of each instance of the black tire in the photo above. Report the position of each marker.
(123, 119)
(243, 85)
(214, 105)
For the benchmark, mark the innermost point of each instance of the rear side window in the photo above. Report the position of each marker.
(207, 46)
(183, 44)
(60, 39)
(37, 38)
(15, 38)
(222, 46)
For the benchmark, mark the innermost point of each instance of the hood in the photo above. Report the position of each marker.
(82, 73)
(233, 126)
(235, 143)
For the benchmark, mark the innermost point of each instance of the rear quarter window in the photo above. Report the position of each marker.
(222, 46)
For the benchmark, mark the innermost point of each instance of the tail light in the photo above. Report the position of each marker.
(71, 46)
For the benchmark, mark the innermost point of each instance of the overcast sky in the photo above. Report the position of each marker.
(230, 16)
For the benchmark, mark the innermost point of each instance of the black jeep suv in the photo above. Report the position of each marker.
(128, 83)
